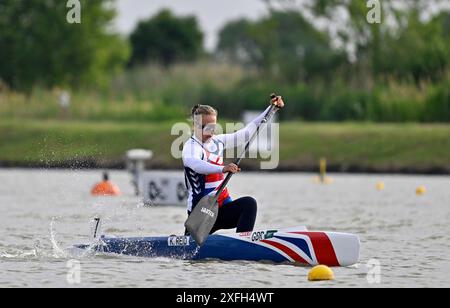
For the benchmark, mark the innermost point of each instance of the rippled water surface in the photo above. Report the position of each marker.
(43, 212)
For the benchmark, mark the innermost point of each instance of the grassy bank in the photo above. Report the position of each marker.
(368, 147)
(358, 147)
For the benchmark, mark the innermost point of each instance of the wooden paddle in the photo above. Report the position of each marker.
(202, 219)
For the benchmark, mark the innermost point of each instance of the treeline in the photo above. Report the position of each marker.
(40, 48)
(329, 62)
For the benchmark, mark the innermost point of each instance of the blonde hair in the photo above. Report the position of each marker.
(200, 110)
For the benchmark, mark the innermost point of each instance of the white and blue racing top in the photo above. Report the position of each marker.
(203, 162)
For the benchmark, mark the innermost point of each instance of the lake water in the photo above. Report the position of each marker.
(43, 212)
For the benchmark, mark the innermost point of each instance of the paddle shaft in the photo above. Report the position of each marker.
(247, 146)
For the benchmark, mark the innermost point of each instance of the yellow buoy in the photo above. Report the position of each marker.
(328, 180)
(320, 272)
(421, 190)
(380, 186)
(325, 180)
(322, 178)
(323, 168)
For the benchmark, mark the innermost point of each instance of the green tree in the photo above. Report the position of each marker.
(236, 42)
(284, 44)
(404, 44)
(166, 39)
(419, 51)
(38, 47)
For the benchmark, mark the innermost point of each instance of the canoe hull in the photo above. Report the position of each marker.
(294, 245)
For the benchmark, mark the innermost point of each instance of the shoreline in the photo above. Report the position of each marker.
(252, 167)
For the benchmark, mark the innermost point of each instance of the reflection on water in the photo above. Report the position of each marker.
(43, 212)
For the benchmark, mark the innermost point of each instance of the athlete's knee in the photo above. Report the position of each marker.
(247, 207)
(250, 204)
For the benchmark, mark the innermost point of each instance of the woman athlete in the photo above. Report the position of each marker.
(205, 169)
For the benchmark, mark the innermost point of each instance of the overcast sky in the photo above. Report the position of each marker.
(211, 14)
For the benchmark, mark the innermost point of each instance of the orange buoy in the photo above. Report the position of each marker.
(105, 188)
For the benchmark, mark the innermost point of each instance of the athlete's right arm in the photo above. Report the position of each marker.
(192, 158)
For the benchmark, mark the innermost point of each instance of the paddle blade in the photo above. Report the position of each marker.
(202, 219)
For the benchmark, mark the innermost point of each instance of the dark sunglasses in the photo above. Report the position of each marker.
(209, 128)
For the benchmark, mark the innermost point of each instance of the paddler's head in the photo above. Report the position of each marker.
(205, 121)
(105, 176)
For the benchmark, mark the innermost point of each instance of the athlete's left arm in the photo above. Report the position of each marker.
(243, 135)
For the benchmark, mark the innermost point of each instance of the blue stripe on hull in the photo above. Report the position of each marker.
(216, 247)
(228, 249)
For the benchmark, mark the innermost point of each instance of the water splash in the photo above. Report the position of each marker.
(23, 253)
(92, 248)
(58, 252)
(18, 255)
